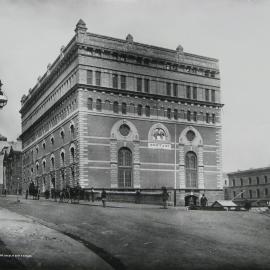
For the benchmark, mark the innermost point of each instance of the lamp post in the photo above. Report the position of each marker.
(3, 98)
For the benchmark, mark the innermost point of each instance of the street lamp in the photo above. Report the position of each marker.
(3, 98)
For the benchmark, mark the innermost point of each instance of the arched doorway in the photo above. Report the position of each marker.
(191, 200)
(124, 167)
(191, 170)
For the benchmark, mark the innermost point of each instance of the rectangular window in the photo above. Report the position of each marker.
(115, 80)
(175, 90)
(168, 89)
(194, 92)
(188, 92)
(147, 111)
(213, 95)
(265, 179)
(123, 82)
(175, 114)
(249, 181)
(195, 116)
(146, 85)
(207, 118)
(258, 193)
(89, 79)
(250, 194)
(124, 108)
(213, 118)
(98, 78)
(188, 116)
(169, 113)
(139, 109)
(139, 84)
(206, 94)
(258, 180)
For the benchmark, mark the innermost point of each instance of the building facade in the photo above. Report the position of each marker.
(12, 171)
(5, 147)
(123, 115)
(252, 185)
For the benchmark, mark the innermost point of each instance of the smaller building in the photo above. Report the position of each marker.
(12, 171)
(249, 185)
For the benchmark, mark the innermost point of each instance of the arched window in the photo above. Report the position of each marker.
(188, 115)
(115, 107)
(124, 108)
(62, 134)
(124, 167)
(107, 105)
(139, 109)
(52, 140)
(52, 163)
(72, 130)
(90, 104)
(72, 155)
(191, 170)
(175, 114)
(62, 158)
(98, 105)
(44, 165)
(169, 113)
(147, 111)
(44, 145)
(37, 167)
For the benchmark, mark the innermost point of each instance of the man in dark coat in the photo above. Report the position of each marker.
(103, 197)
(203, 201)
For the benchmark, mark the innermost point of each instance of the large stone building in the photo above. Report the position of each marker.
(252, 185)
(119, 114)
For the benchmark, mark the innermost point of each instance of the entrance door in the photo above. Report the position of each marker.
(191, 170)
(191, 200)
(124, 167)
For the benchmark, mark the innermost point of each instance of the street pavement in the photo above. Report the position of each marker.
(26, 244)
(130, 236)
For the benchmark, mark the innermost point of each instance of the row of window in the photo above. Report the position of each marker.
(54, 117)
(265, 181)
(52, 141)
(250, 194)
(169, 113)
(154, 63)
(52, 161)
(143, 85)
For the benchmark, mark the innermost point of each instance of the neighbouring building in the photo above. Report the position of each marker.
(252, 185)
(124, 115)
(5, 146)
(12, 170)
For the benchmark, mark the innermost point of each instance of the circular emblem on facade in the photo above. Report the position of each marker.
(190, 135)
(124, 130)
(159, 134)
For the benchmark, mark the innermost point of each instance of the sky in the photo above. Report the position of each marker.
(234, 31)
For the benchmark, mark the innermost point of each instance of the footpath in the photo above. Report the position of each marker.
(26, 244)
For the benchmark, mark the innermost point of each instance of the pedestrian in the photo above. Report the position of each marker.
(103, 197)
(138, 196)
(165, 197)
(203, 201)
(5, 192)
(92, 194)
(26, 194)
